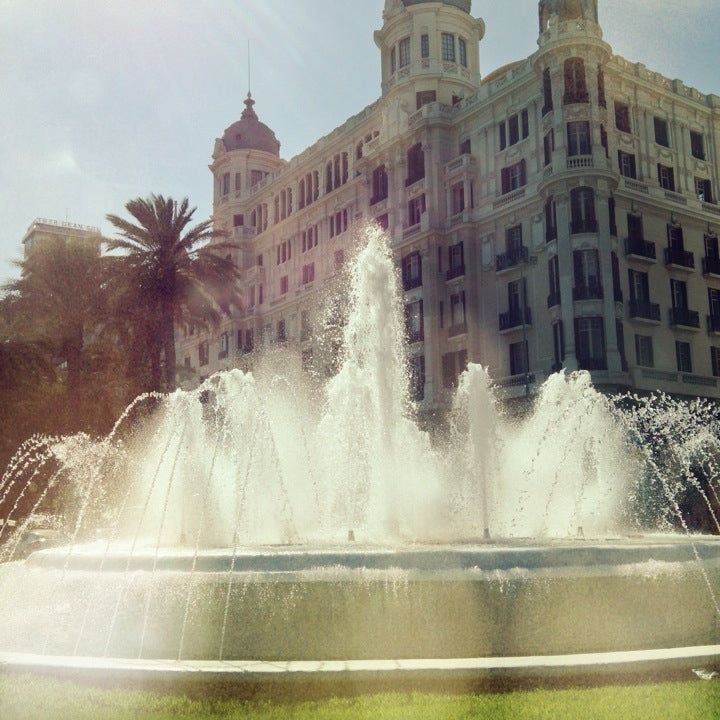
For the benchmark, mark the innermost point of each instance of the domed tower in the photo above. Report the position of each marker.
(244, 156)
(430, 51)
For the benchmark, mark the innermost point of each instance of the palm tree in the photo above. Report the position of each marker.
(168, 276)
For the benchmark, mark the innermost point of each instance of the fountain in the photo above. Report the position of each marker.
(271, 516)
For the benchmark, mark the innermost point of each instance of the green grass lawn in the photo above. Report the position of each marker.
(29, 697)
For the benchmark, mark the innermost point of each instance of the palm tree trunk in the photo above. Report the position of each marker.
(168, 335)
(73, 359)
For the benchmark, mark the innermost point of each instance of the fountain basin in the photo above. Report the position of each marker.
(364, 603)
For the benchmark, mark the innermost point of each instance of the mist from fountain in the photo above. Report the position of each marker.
(270, 459)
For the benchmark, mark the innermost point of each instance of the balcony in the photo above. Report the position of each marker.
(465, 162)
(713, 324)
(580, 162)
(512, 259)
(679, 259)
(590, 290)
(578, 227)
(515, 319)
(639, 249)
(554, 299)
(379, 198)
(414, 179)
(455, 271)
(682, 317)
(645, 310)
(711, 266)
(592, 363)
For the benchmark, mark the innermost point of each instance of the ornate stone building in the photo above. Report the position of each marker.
(558, 212)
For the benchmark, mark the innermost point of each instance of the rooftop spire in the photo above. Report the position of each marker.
(248, 112)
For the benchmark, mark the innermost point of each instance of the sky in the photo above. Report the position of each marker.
(107, 100)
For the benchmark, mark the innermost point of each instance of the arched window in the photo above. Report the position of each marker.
(575, 84)
(547, 92)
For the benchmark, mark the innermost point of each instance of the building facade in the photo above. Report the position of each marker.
(42, 231)
(559, 212)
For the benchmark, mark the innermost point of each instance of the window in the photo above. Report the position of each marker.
(383, 221)
(575, 85)
(714, 302)
(662, 136)
(404, 54)
(554, 281)
(611, 217)
(256, 176)
(416, 164)
(582, 207)
(466, 147)
(416, 207)
(519, 358)
(379, 184)
(644, 351)
(678, 291)
(604, 140)
(226, 184)
(393, 62)
(414, 321)
(224, 346)
(676, 239)
(204, 353)
(425, 97)
(462, 47)
(457, 198)
(411, 266)
(601, 88)
(308, 273)
(517, 298)
(249, 340)
(514, 241)
(417, 377)
(697, 145)
(712, 251)
(547, 92)
(457, 309)
(549, 147)
(339, 259)
(586, 265)
(579, 138)
(238, 181)
(703, 189)
(448, 47)
(453, 364)
(281, 336)
(550, 220)
(456, 259)
(424, 47)
(238, 220)
(513, 177)
(502, 135)
(260, 295)
(639, 287)
(284, 284)
(666, 177)
(590, 343)
(715, 360)
(622, 117)
(558, 345)
(514, 129)
(626, 163)
(684, 358)
(635, 227)
(251, 296)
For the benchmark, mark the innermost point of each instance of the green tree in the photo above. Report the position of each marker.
(56, 302)
(168, 275)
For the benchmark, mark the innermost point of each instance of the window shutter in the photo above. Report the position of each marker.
(525, 124)
(523, 173)
(503, 136)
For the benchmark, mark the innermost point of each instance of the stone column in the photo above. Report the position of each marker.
(567, 279)
(430, 277)
(611, 345)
